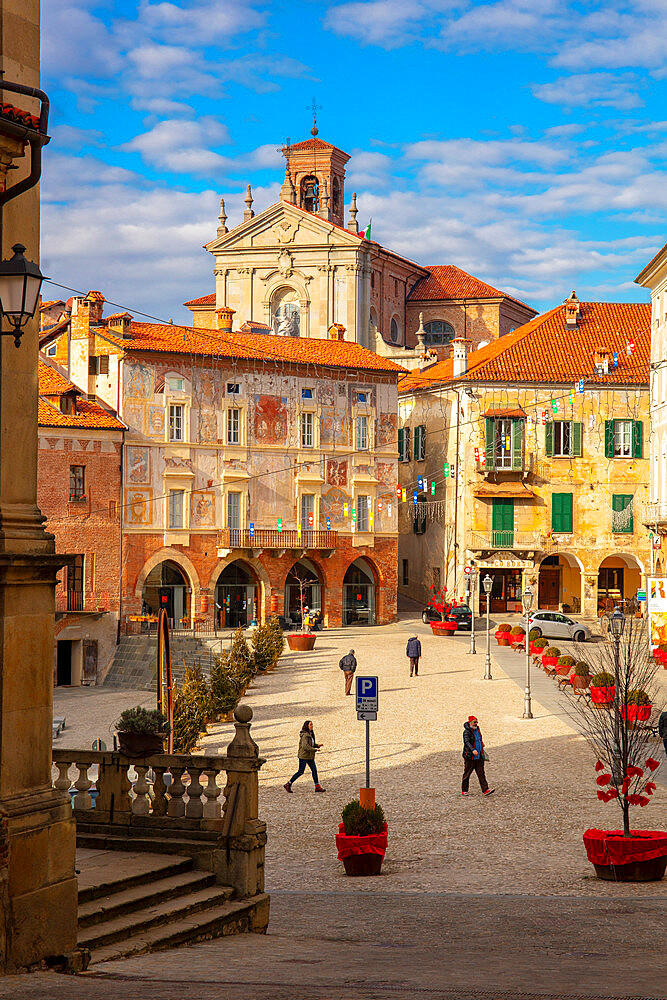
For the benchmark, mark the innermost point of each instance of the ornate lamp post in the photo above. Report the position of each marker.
(20, 282)
(527, 605)
(615, 626)
(487, 583)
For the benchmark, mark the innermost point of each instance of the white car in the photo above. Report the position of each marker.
(554, 625)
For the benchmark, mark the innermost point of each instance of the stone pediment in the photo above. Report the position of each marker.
(286, 228)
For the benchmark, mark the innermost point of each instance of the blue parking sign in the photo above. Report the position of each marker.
(367, 694)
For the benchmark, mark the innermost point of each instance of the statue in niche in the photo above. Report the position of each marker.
(286, 313)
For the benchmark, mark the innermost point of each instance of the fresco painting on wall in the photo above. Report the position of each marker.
(332, 502)
(138, 380)
(156, 420)
(337, 473)
(138, 465)
(387, 429)
(271, 419)
(386, 473)
(138, 503)
(203, 508)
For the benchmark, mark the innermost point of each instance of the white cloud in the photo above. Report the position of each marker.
(203, 22)
(591, 90)
(181, 146)
(389, 23)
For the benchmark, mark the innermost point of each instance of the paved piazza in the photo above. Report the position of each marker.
(493, 893)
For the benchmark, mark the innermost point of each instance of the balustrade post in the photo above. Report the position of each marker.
(194, 808)
(243, 833)
(83, 800)
(62, 782)
(176, 807)
(159, 792)
(141, 802)
(212, 791)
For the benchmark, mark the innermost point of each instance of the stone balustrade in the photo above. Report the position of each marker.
(202, 805)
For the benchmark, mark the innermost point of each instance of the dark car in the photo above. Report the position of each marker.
(461, 614)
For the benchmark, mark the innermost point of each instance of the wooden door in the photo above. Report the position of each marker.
(549, 588)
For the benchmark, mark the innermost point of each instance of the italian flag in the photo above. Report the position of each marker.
(366, 233)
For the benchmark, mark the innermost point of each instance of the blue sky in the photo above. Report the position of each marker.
(523, 140)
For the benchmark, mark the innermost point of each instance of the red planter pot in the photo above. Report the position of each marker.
(361, 855)
(300, 641)
(549, 661)
(443, 628)
(636, 713)
(517, 640)
(499, 635)
(503, 639)
(579, 683)
(640, 858)
(603, 695)
(563, 671)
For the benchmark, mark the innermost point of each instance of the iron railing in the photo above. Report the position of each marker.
(507, 539)
(271, 538)
(655, 513)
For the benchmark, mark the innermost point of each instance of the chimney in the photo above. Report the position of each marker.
(120, 323)
(95, 302)
(336, 331)
(601, 358)
(572, 309)
(460, 355)
(225, 319)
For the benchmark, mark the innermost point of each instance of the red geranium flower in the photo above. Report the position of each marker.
(599, 766)
(651, 763)
(604, 779)
(633, 771)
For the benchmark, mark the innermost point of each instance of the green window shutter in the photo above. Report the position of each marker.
(637, 434)
(561, 512)
(549, 438)
(490, 443)
(422, 442)
(577, 437)
(400, 444)
(415, 452)
(609, 439)
(620, 502)
(517, 444)
(502, 523)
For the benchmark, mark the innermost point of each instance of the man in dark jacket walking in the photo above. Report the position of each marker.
(413, 651)
(348, 665)
(474, 756)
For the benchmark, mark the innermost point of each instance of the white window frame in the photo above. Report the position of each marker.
(622, 438)
(172, 510)
(307, 429)
(233, 421)
(363, 508)
(361, 440)
(303, 514)
(502, 457)
(171, 423)
(175, 378)
(558, 451)
(228, 512)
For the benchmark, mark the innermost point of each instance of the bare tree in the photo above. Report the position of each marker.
(625, 766)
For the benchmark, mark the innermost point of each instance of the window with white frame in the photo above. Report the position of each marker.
(363, 397)
(234, 510)
(233, 389)
(175, 508)
(361, 441)
(306, 393)
(233, 426)
(623, 438)
(307, 511)
(307, 424)
(562, 438)
(175, 384)
(363, 507)
(176, 421)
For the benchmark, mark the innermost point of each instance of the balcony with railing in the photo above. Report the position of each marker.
(654, 515)
(272, 538)
(508, 540)
(525, 464)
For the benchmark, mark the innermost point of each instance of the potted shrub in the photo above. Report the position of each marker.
(637, 707)
(550, 656)
(533, 635)
(502, 634)
(141, 731)
(581, 678)
(517, 635)
(539, 645)
(602, 688)
(362, 839)
(625, 769)
(564, 664)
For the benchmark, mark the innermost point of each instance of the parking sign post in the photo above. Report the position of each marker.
(367, 709)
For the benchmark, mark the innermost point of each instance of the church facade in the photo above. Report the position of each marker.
(297, 268)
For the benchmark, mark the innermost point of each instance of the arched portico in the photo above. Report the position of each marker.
(168, 587)
(303, 578)
(619, 578)
(148, 580)
(560, 583)
(360, 592)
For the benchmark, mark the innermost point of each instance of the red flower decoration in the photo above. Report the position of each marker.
(612, 794)
(625, 785)
(604, 779)
(599, 766)
(633, 771)
(649, 788)
(643, 800)
(652, 764)
(634, 800)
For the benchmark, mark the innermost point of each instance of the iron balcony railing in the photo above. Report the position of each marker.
(70, 600)
(271, 538)
(525, 463)
(655, 513)
(511, 540)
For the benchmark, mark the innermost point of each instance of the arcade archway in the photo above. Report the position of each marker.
(359, 593)
(236, 596)
(303, 577)
(167, 586)
(560, 583)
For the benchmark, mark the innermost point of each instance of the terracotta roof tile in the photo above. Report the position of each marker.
(545, 350)
(262, 347)
(314, 145)
(18, 115)
(446, 281)
(203, 300)
(90, 414)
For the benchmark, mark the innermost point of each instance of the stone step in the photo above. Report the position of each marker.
(234, 917)
(168, 911)
(172, 831)
(137, 897)
(101, 842)
(159, 866)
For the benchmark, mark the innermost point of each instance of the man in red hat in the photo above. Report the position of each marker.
(474, 756)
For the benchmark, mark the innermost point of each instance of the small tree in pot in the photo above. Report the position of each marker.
(502, 634)
(625, 768)
(141, 731)
(362, 839)
(564, 665)
(550, 657)
(581, 678)
(602, 688)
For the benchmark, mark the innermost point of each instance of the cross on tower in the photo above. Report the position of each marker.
(314, 107)
(284, 148)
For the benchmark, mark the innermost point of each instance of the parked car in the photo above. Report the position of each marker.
(554, 625)
(461, 614)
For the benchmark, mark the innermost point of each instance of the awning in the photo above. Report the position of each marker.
(510, 491)
(516, 412)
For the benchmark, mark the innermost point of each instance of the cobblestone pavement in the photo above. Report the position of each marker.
(483, 897)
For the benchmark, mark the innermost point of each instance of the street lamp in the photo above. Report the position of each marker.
(615, 626)
(473, 579)
(20, 282)
(487, 583)
(527, 598)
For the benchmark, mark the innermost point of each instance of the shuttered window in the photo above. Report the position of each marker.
(623, 438)
(561, 512)
(563, 438)
(622, 520)
(504, 443)
(420, 443)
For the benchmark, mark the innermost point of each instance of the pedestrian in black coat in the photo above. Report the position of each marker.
(413, 651)
(474, 756)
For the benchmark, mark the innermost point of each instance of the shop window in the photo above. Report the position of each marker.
(622, 520)
(561, 512)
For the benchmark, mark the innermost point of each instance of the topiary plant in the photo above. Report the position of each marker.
(225, 687)
(241, 663)
(566, 661)
(277, 637)
(540, 643)
(263, 646)
(360, 822)
(582, 669)
(638, 697)
(552, 651)
(602, 680)
(504, 628)
(517, 630)
(142, 720)
(534, 634)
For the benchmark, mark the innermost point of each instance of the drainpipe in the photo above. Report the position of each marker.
(35, 138)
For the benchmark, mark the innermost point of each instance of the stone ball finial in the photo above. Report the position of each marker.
(243, 713)
(314, 130)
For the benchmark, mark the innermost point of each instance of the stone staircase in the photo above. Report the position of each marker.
(135, 661)
(132, 903)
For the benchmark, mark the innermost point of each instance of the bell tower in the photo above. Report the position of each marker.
(316, 172)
